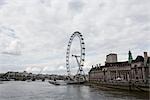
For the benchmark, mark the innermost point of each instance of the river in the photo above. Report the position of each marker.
(22, 90)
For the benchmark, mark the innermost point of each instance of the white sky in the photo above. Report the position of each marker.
(34, 33)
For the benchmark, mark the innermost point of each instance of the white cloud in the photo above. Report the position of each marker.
(10, 44)
(13, 48)
(39, 30)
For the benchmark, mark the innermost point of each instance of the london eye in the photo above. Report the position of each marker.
(80, 58)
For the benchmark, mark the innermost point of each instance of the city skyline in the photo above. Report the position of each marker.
(34, 34)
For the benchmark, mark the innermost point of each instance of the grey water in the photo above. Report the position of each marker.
(22, 90)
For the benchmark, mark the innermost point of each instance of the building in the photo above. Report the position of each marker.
(134, 71)
(111, 58)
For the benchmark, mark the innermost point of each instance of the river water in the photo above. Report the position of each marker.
(18, 90)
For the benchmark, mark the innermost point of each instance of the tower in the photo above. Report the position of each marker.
(111, 58)
(130, 57)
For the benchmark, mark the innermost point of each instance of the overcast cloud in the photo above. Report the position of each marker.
(34, 33)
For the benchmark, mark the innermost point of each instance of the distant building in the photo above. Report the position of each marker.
(135, 71)
(15, 75)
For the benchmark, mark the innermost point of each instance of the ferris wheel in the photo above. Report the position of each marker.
(79, 58)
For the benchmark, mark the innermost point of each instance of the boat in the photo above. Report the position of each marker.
(75, 82)
(54, 82)
(77, 79)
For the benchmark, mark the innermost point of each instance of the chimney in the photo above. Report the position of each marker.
(145, 57)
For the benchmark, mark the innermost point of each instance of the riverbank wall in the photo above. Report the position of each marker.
(121, 85)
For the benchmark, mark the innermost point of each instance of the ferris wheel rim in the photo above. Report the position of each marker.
(82, 46)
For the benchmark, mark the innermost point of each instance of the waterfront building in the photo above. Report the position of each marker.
(134, 71)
